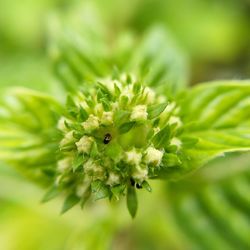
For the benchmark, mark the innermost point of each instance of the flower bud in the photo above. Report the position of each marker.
(139, 113)
(94, 170)
(150, 95)
(91, 123)
(140, 174)
(98, 109)
(107, 118)
(61, 124)
(133, 157)
(64, 164)
(176, 142)
(84, 145)
(153, 156)
(113, 179)
(175, 119)
(68, 138)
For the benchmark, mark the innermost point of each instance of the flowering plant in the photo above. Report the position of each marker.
(123, 124)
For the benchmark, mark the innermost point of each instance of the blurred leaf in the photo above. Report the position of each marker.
(212, 206)
(132, 202)
(158, 61)
(220, 113)
(28, 134)
(155, 59)
(69, 202)
(51, 194)
(155, 110)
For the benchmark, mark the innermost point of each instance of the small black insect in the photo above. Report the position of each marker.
(107, 138)
(132, 181)
(138, 186)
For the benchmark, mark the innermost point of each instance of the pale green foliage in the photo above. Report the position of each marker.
(27, 132)
(219, 115)
(153, 58)
(212, 206)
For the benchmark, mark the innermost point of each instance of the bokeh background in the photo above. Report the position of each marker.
(214, 35)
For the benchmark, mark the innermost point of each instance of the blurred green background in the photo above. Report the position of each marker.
(215, 37)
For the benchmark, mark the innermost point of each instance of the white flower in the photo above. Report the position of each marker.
(61, 124)
(82, 188)
(107, 118)
(150, 95)
(133, 157)
(170, 107)
(94, 170)
(84, 144)
(139, 113)
(127, 92)
(109, 83)
(98, 108)
(175, 119)
(140, 174)
(64, 164)
(161, 99)
(68, 138)
(91, 123)
(175, 141)
(113, 179)
(153, 156)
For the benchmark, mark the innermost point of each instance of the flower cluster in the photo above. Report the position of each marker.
(117, 134)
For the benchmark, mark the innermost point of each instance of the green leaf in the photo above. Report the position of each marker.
(159, 62)
(117, 91)
(105, 104)
(161, 139)
(219, 113)
(99, 190)
(125, 127)
(69, 202)
(121, 116)
(171, 160)
(188, 141)
(28, 132)
(146, 186)
(83, 115)
(71, 106)
(51, 194)
(85, 196)
(132, 202)
(136, 88)
(114, 150)
(77, 162)
(94, 150)
(124, 101)
(155, 110)
(105, 90)
(117, 191)
(214, 200)
(90, 102)
(102, 193)
(95, 186)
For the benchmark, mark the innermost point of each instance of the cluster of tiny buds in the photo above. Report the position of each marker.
(113, 135)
